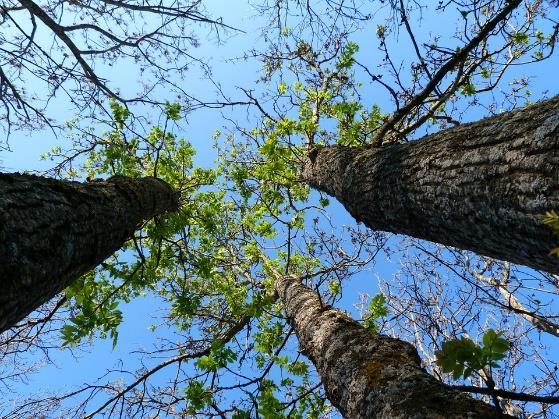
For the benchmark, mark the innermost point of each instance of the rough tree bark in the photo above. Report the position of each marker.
(481, 186)
(366, 375)
(53, 231)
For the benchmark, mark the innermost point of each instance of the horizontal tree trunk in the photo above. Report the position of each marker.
(53, 231)
(481, 186)
(367, 375)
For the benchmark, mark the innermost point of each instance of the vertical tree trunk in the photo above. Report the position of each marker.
(480, 186)
(366, 375)
(53, 231)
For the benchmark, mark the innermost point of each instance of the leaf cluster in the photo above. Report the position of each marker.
(206, 263)
(376, 310)
(463, 356)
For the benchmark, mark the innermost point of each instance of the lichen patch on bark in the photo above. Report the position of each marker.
(367, 375)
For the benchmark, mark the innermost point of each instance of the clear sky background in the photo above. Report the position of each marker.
(68, 370)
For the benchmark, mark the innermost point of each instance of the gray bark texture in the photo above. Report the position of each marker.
(367, 375)
(53, 231)
(481, 186)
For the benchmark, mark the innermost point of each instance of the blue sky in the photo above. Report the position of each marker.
(67, 370)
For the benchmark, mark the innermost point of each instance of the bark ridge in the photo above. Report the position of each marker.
(53, 231)
(481, 186)
(365, 375)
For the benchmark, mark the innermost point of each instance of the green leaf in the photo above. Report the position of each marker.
(173, 110)
(120, 113)
(462, 356)
(198, 396)
(241, 414)
(334, 287)
(347, 56)
(489, 337)
(457, 371)
(520, 38)
(282, 88)
(298, 368)
(468, 89)
(485, 73)
(269, 406)
(376, 310)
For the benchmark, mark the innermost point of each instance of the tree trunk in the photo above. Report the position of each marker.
(53, 231)
(481, 186)
(368, 375)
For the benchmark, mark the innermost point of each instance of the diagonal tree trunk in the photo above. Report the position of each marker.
(53, 231)
(365, 375)
(481, 186)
